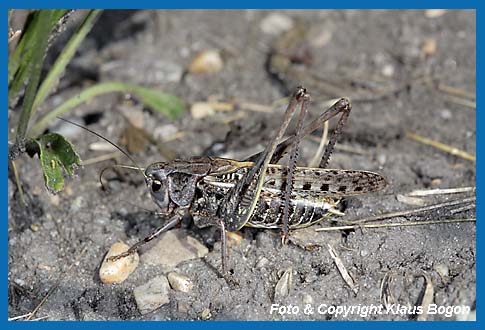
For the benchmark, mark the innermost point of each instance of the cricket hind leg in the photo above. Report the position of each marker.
(342, 106)
(291, 169)
(345, 110)
(172, 223)
(240, 201)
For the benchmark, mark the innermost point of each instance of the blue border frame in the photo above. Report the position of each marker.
(248, 4)
(120, 4)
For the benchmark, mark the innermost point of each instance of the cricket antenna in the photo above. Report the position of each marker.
(138, 167)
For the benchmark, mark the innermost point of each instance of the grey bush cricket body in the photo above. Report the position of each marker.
(256, 193)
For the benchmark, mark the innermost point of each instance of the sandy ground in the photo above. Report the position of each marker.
(66, 236)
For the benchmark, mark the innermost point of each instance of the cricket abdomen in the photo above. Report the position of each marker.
(303, 212)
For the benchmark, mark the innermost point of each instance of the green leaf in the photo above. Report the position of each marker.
(56, 154)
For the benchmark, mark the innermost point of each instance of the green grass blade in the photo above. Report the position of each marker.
(65, 57)
(38, 52)
(167, 104)
(22, 53)
(21, 56)
(19, 61)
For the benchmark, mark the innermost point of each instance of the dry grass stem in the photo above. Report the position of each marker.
(427, 192)
(441, 146)
(343, 271)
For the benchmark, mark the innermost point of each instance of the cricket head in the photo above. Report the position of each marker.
(156, 178)
(173, 184)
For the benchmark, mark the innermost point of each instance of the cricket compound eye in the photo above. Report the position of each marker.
(156, 185)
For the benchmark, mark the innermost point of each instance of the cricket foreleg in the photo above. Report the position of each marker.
(173, 222)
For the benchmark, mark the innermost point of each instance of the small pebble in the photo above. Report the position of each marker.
(381, 159)
(319, 38)
(183, 307)
(180, 282)
(262, 262)
(20, 282)
(446, 114)
(174, 247)
(200, 110)
(207, 61)
(307, 299)
(388, 70)
(152, 295)
(164, 131)
(433, 13)
(442, 270)
(55, 200)
(206, 314)
(428, 48)
(276, 23)
(117, 271)
(35, 227)
(234, 238)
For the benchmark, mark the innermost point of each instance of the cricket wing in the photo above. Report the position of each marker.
(326, 182)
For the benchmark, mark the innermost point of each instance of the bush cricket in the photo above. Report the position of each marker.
(258, 192)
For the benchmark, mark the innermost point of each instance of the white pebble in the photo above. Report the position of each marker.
(307, 299)
(263, 262)
(446, 114)
(319, 39)
(206, 314)
(433, 13)
(201, 110)
(180, 282)
(442, 270)
(117, 271)
(276, 23)
(152, 295)
(388, 70)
